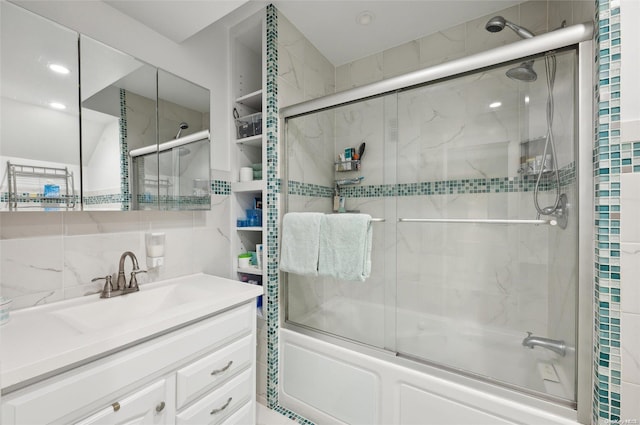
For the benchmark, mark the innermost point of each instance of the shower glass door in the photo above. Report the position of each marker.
(464, 264)
(471, 150)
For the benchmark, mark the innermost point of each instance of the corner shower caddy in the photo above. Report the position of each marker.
(25, 183)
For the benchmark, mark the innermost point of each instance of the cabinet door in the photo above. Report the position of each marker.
(150, 405)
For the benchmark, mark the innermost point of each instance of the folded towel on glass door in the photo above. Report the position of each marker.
(300, 243)
(345, 246)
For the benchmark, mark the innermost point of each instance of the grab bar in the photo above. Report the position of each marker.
(551, 222)
(378, 220)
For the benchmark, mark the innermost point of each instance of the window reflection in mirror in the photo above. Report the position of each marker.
(184, 156)
(39, 141)
(118, 115)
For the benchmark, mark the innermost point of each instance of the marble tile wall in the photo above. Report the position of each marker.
(461, 40)
(629, 208)
(51, 256)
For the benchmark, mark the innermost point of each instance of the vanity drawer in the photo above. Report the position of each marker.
(213, 369)
(245, 416)
(215, 407)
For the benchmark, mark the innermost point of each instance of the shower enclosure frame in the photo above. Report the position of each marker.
(581, 37)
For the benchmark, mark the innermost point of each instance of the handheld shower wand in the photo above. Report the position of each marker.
(497, 24)
(183, 126)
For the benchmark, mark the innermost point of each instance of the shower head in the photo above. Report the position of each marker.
(523, 72)
(497, 24)
(183, 126)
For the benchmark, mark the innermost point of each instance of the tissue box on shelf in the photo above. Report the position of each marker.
(249, 125)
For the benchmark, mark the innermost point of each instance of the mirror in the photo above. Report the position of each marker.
(145, 139)
(113, 144)
(183, 153)
(39, 142)
(118, 94)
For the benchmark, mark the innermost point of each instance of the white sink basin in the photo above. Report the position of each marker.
(124, 310)
(46, 338)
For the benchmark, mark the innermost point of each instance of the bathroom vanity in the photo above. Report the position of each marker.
(180, 351)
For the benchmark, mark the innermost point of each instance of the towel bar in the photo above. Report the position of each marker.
(551, 222)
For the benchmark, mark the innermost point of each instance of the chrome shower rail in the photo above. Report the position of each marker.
(551, 222)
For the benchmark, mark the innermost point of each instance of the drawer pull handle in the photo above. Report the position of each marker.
(116, 406)
(160, 407)
(224, 369)
(214, 411)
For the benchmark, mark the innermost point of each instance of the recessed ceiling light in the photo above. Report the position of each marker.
(58, 68)
(526, 100)
(57, 105)
(495, 105)
(365, 17)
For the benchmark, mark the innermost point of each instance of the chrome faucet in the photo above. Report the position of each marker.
(121, 286)
(557, 346)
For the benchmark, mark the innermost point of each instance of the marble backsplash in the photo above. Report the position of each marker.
(51, 256)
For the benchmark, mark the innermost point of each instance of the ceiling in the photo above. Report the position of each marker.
(176, 19)
(330, 25)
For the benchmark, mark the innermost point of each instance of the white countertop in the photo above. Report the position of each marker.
(40, 340)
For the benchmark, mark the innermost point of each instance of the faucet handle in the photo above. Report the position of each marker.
(529, 334)
(108, 286)
(133, 282)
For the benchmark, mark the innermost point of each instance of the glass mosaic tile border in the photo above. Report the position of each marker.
(272, 204)
(611, 158)
(220, 187)
(112, 198)
(442, 187)
(124, 153)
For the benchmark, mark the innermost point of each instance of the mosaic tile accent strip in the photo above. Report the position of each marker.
(112, 198)
(220, 187)
(443, 187)
(173, 202)
(610, 159)
(124, 153)
(308, 189)
(272, 204)
(35, 198)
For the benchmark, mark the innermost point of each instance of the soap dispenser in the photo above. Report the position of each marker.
(155, 249)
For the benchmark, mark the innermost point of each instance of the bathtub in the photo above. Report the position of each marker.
(333, 380)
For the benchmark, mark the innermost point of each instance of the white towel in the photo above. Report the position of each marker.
(300, 243)
(345, 246)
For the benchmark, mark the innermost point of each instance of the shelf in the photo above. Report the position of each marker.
(255, 141)
(351, 165)
(252, 186)
(250, 229)
(348, 182)
(251, 100)
(25, 182)
(251, 270)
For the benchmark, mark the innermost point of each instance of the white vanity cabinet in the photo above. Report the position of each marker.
(200, 373)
